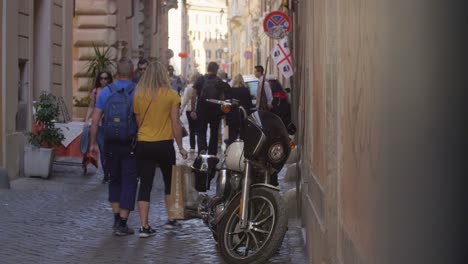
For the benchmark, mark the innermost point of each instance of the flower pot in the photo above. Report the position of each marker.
(38, 161)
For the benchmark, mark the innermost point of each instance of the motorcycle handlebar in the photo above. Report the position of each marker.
(214, 101)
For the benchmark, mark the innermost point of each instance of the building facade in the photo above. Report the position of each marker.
(36, 56)
(207, 33)
(46, 45)
(132, 29)
(248, 43)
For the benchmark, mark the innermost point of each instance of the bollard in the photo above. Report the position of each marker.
(4, 180)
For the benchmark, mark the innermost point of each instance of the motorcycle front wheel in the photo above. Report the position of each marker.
(267, 225)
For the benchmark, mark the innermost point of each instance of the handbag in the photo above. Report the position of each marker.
(85, 139)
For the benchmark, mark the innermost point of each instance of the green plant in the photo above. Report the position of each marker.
(46, 134)
(82, 102)
(101, 61)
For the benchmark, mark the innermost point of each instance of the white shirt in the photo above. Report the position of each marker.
(268, 94)
(186, 98)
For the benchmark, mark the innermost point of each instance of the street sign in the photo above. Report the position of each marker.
(277, 25)
(281, 54)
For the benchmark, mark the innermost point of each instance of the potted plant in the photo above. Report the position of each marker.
(38, 155)
(100, 61)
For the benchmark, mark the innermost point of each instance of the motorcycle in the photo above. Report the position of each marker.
(247, 215)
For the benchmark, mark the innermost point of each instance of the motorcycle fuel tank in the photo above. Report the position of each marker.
(235, 156)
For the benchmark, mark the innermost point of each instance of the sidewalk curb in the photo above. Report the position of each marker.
(4, 180)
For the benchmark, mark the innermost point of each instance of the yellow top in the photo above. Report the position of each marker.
(157, 124)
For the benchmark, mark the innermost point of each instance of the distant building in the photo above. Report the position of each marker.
(207, 32)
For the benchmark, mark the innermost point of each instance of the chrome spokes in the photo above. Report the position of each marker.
(244, 243)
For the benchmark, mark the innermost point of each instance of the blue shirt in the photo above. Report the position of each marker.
(104, 95)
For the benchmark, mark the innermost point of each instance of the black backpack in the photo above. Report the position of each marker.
(210, 90)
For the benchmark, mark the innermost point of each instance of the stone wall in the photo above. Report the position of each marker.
(37, 57)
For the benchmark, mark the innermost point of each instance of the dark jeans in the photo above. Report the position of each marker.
(121, 162)
(100, 142)
(203, 122)
(150, 154)
(192, 129)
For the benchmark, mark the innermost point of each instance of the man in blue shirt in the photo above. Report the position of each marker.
(175, 80)
(120, 156)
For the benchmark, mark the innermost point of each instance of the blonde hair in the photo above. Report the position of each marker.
(238, 81)
(153, 79)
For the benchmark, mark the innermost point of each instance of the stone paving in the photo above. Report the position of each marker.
(67, 219)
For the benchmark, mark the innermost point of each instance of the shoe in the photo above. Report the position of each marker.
(147, 232)
(116, 224)
(171, 225)
(124, 231)
(105, 180)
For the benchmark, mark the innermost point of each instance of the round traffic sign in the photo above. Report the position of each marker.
(277, 25)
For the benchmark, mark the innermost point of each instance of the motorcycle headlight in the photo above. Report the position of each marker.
(276, 152)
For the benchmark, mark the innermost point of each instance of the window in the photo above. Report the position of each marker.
(208, 54)
(219, 54)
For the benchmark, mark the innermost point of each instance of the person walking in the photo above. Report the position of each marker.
(119, 132)
(156, 107)
(141, 67)
(238, 91)
(103, 79)
(264, 96)
(207, 113)
(176, 82)
(187, 107)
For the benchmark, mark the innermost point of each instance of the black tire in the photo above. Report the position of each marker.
(267, 208)
(215, 236)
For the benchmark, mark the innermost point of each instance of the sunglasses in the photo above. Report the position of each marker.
(103, 78)
(142, 69)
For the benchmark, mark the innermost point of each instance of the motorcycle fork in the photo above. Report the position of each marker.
(244, 202)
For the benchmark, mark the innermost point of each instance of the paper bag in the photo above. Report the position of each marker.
(177, 196)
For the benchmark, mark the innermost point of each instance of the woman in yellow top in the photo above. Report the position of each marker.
(156, 107)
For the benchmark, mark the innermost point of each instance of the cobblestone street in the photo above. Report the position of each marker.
(67, 219)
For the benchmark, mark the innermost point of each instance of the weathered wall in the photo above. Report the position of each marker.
(337, 71)
(134, 29)
(378, 108)
(2, 150)
(36, 57)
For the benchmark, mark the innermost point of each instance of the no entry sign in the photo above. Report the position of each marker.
(277, 25)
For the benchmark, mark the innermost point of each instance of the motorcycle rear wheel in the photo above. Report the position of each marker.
(267, 226)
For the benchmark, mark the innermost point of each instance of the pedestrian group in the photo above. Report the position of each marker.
(136, 119)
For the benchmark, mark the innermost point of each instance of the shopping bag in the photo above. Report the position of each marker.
(84, 139)
(177, 196)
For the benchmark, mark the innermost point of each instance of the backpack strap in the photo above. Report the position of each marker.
(112, 87)
(130, 88)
